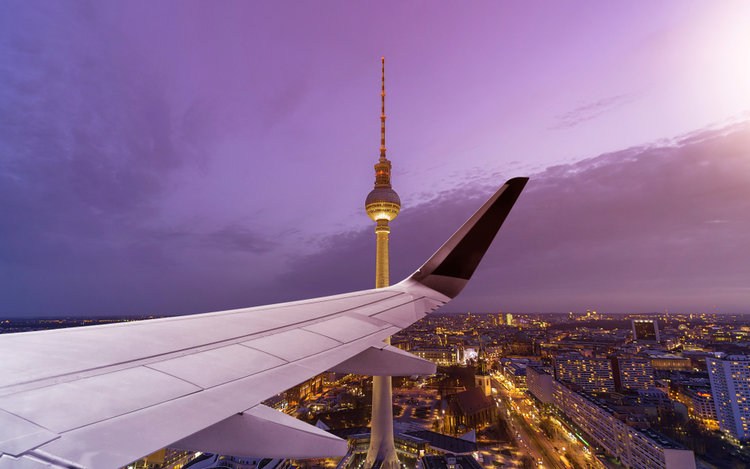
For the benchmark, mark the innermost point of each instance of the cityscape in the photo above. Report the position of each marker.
(574, 390)
(187, 270)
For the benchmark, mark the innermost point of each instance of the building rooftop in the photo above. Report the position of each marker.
(539, 369)
(444, 442)
(472, 401)
(445, 461)
(658, 438)
(662, 440)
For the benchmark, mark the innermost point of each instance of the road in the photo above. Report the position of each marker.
(525, 418)
(521, 432)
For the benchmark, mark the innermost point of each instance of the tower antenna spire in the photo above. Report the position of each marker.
(382, 111)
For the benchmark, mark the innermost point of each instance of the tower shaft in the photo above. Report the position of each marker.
(382, 449)
(382, 269)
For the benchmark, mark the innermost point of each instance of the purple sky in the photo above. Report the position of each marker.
(180, 157)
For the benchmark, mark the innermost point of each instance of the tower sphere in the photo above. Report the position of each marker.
(382, 203)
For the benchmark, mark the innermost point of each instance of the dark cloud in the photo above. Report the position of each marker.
(85, 128)
(239, 238)
(87, 150)
(644, 229)
(590, 111)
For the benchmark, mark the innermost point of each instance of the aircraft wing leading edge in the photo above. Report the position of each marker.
(104, 396)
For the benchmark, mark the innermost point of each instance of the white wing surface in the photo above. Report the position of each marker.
(104, 396)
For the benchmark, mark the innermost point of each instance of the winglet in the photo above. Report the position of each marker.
(448, 270)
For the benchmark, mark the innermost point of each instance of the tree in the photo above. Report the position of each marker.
(547, 427)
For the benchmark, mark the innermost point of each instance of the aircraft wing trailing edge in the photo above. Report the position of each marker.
(104, 396)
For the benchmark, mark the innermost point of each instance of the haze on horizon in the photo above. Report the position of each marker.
(177, 158)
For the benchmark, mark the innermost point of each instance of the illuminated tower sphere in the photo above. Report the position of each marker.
(382, 205)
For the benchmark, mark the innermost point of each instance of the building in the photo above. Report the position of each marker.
(410, 445)
(483, 381)
(450, 461)
(508, 319)
(515, 372)
(539, 383)
(469, 409)
(591, 374)
(439, 356)
(730, 388)
(645, 330)
(652, 397)
(668, 362)
(165, 458)
(640, 448)
(632, 373)
(305, 390)
(700, 404)
(216, 461)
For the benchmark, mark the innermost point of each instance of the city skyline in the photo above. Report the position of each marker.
(564, 390)
(160, 160)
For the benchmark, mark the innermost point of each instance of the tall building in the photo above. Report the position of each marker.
(638, 448)
(591, 374)
(645, 330)
(508, 319)
(382, 205)
(730, 386)
(632, 373)
(539, 383)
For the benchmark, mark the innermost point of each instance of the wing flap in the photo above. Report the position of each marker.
(120, 440)
(265, 432)
(386, 360)
(65, 406)
(24, 462)
(18, 435)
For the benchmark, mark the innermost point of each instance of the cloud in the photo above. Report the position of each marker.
(86, 145)
(590, 111)
(239, 238)
(635, 230)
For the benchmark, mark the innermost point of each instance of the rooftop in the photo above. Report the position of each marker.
(441, 462)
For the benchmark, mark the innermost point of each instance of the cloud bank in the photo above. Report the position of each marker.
(644, 229)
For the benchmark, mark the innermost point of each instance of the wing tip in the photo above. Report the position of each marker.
(517, 180)
(451, 267)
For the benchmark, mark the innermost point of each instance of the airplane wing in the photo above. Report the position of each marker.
(104, 396)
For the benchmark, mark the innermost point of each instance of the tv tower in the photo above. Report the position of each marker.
(382, 205)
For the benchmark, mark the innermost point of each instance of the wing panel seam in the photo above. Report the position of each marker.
(364, 338)
(175, 377)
